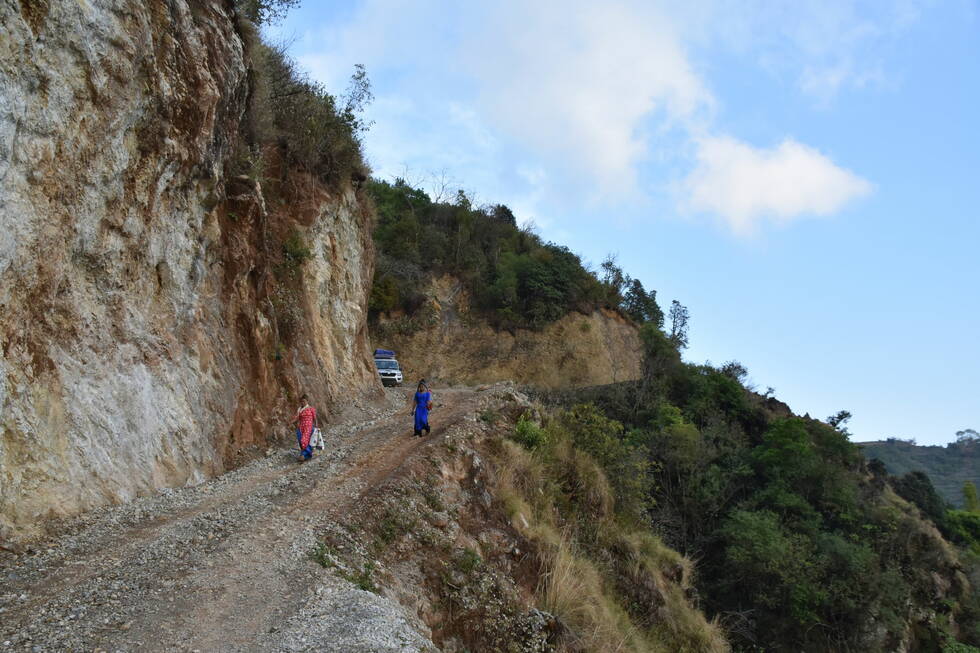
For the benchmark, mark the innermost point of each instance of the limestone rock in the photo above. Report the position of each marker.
(136, 348)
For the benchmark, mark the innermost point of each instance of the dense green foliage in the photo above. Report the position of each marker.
(916, 488)
(947, 467)
(624, 461)
(529, 434)
(963, 528)
(970, 501)
(801, 544)
(515, 278)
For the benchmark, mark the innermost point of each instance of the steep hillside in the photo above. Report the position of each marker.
(801, 544)
(448, 342)
(947, 467)
(160, 310)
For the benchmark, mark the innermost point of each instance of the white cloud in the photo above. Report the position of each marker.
(747, 185)
(601, 96)
(579, 81)
(469, 121)
(574, 84)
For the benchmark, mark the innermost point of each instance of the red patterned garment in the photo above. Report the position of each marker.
(305, 423)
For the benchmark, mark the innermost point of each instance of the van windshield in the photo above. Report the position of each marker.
(386, 364)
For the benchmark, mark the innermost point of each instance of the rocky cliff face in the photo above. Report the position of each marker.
(448, 343)
(147, 336)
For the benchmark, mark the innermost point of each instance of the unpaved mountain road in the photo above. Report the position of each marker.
(222, 566)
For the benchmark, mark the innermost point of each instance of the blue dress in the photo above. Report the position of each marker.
(421, 411)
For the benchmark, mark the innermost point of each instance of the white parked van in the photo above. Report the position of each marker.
(388, 369)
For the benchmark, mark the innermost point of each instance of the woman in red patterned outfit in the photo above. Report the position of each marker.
(305, 421)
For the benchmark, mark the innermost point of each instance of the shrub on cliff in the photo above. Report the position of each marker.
(311, 127)
(528, 434)
(308, 126)
(916, 488)
(265, 11)
(963, 528)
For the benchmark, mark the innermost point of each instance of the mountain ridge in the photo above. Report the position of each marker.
(948, 466)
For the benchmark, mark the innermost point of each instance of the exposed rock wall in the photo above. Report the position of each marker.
(451, 345)
(141, 340)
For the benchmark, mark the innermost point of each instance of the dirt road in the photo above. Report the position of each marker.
(222, 566)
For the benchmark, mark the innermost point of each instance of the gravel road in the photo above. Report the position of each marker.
(223, 566)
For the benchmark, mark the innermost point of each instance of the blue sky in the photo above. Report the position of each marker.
(804, 176)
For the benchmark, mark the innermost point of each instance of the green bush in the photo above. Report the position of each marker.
(624, 460)
(916, 488)
(265, 11)
(384, 295)
(528, 434)
(963, 528)
(295, 251)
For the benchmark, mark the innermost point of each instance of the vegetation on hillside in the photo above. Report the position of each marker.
(293, 119)
(514, 277)
(801, 545)
(265, 11)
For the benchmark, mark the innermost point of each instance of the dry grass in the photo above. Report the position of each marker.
(572, 590)
(688, 630)
(647, 554)
(585, 482)
(561, 500)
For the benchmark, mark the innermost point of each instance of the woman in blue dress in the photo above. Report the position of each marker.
(422, 402)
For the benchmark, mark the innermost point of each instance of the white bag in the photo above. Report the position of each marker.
(316, 440)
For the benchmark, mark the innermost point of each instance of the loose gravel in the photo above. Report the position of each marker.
(223, 566)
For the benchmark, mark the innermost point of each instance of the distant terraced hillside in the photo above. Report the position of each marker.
(947, 467)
